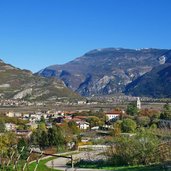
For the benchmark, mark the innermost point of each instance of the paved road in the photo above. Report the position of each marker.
(60, 164)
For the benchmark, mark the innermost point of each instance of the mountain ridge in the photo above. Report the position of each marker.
(155, 84)
(18, 83)
(107, 70)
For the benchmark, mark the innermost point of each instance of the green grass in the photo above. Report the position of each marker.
(135, 168)
(124, 168)
(42, 165)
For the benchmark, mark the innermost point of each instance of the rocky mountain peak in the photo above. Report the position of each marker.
(107, 70)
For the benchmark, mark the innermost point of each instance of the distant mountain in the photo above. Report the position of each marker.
(106, 71)
(22, 84)
(156, 83)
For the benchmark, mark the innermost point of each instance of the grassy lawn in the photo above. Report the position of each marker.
(135, 168)
(124, 168)
(42, 165)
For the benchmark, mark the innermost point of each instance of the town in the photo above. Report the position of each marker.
(87, 125)
(85, 85)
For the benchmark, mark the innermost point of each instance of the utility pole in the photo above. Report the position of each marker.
(52, 164)
(72, 162)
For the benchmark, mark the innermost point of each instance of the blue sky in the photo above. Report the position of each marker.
(38, 33)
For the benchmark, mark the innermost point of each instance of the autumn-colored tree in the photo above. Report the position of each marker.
(116, 129)
(153, 114)
(7, 141)
(143, 121)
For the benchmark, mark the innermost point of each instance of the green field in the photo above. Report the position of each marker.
(42, 165)
(134, 168)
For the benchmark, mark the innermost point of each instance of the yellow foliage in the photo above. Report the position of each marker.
(85, 143)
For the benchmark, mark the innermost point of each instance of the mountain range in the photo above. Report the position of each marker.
(156, 83)
(23, 84)
(139, 72)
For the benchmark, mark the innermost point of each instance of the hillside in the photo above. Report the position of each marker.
(105, 71)
(156, 83)
(22, 84)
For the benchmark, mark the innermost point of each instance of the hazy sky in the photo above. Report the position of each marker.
(38, 33)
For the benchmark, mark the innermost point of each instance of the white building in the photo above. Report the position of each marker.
(13, 114)
(10, 126)
(82, 102)
(83, 125)
(138, 103)
(10, 114)
(113, 115)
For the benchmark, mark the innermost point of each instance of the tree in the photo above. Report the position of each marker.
(42, 119)
(22, 127)
(34, 139)
(166, 113)
(73, 127)
(117, 128)
(47, 138)
(2, 126)
(138, 149)
(7, 140)
(51, 136)
(93, 121)
(22, 143)
(55, 136)
(42, 127)
(132, 109)
(153, 114)
(37, 134)
(128, 125)
(143, 121)
(44, 141)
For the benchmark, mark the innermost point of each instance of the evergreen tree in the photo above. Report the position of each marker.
(166, 113)
(132, 109)
(44, 141)
(55, 136)
(22, 144)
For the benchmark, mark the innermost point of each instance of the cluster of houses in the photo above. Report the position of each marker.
(59, 116)
(16, 102)
(11, 102)
(56, 116)
(20, 133)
